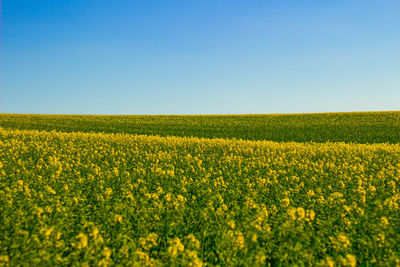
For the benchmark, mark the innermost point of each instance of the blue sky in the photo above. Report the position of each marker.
(199, 57)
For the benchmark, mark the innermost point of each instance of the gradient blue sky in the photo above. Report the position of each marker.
(199, 57)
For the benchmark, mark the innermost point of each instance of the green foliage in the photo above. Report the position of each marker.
(359, 127)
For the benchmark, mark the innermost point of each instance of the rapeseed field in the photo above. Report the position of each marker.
(89, 197)
(359, 127)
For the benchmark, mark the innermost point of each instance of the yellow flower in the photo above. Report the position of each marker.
(329, 262)
(285, 202)
(49, 231)
(150, 241)
(4, 258)
(344, 240)
(83, 240)
(384, 221)
(193, 241)
(175, 246)
(232, 224)
(95, 232)
(51, 190)
(300, 213)
(168, 197)
(311, 214)
(181, 198)
(108, 192)
(349, 260)
(106, 252)
(118, 218)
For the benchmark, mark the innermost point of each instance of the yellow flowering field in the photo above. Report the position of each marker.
(360, 127)
(121, 199)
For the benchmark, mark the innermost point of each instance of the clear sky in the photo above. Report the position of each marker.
(199, 56)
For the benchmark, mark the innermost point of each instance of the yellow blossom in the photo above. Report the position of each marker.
(83, 240)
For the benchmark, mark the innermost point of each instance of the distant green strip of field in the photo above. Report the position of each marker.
(358, 127)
